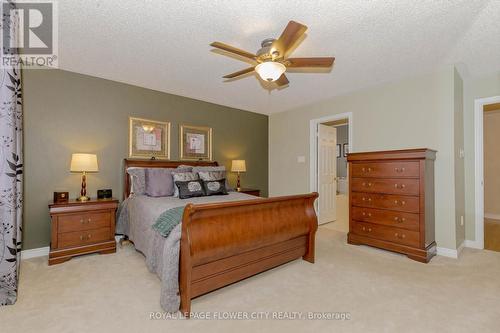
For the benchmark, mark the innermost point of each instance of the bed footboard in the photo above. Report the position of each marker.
(226, 242)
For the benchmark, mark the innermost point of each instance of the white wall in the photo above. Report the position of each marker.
(413, 113)
(459, 160)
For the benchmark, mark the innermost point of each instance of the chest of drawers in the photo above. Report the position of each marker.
(81, 228)
(391, 201)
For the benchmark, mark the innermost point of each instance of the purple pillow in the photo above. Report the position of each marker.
(159, 182)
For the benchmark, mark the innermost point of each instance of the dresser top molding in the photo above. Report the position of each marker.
(407, 154)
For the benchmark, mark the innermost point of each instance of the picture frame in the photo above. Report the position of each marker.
(195, 143)
(339, 150)
(345, 148)
(149, 139)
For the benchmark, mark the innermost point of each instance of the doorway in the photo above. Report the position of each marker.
(331, 140)
(491, 135)
(487, 173)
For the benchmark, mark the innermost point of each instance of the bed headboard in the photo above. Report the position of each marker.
(128, 163)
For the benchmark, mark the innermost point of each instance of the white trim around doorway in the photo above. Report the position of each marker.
(478, 243)
(313, 145)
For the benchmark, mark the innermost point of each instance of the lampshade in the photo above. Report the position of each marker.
(84, 162)
(270, 70)
(238, 166)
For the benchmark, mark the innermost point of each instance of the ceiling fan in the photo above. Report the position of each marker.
(271, 60)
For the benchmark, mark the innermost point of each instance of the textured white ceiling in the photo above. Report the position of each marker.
(164, 44)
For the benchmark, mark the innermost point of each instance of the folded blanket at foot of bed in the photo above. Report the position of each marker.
(168, 220)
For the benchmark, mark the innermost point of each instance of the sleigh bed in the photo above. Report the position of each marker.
(224, 242)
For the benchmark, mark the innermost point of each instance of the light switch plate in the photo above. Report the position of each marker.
(301, 159)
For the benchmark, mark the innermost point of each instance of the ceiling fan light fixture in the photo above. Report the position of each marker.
(270, 71)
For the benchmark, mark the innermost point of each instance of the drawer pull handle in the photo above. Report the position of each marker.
(402, 236)
(369, 184)
(397, 202)
(81, 237)
(399, 169)
(399, 219)
(82, 221)
(369, 229)
(369, 199)
(366, 170)
(89, 220)
(402, 186)
(89, 236)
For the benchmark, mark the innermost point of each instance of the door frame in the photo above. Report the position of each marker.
(313, 147)
(479, 168)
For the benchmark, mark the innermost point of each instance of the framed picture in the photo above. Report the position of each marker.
(149, 138)
(338, 150)
(195, 143)
(346, 149)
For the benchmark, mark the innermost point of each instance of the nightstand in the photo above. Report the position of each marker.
(250, 191)
(81, 228)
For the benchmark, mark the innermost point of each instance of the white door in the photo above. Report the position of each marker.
(327, 173)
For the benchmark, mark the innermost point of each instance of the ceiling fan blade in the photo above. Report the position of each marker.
(289, 36)
(282, 81)
(235, 74)
(234, 50)
(310, 62)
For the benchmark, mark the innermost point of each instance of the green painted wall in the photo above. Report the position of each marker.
(67, 112)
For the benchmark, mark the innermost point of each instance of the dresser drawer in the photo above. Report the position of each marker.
(83, 221)
(386, 201)
(390, 234)
(79, 238)
(386, 169)
(390, 186)
(387, 217)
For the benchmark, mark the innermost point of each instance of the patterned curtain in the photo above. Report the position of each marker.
(11, 175)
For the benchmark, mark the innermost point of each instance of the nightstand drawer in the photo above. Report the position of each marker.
(78, 238)
(83, 221)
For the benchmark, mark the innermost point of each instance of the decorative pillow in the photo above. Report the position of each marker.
(159, 182)
(138, 180)
(212, 175)
(182, 176)
(215, 187)
(220, 168)
(190, 188)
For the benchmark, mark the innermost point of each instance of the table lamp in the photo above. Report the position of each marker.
(238, 166)
(84, 163)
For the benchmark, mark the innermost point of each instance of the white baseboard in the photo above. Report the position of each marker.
(445, 252)
(450, 253)
(34, 253)
(492, 216)
(44, 251)
(473, 244)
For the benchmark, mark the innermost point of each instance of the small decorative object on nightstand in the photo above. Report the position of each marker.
(250, 191)
(81, 227)
(238, 166)
(84, 163)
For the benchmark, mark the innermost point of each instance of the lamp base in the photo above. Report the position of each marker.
(83, 198)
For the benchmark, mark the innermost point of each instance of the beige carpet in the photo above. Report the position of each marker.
(382, 291)
(492, 234)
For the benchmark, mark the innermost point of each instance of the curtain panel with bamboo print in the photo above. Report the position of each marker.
(11, 171)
